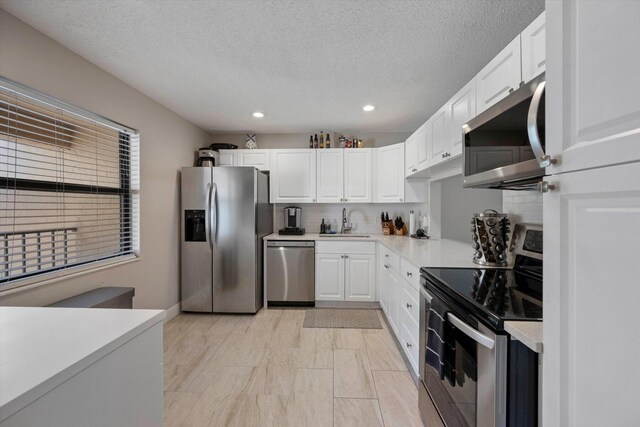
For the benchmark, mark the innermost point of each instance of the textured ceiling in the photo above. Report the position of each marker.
(308, 65)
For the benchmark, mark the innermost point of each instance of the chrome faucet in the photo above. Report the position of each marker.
(345, 229)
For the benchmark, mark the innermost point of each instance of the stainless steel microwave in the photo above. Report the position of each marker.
(504, 145)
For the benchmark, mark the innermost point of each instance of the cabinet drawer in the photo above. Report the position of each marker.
(390, 258)
(409, 342)
(410, 302)
(323, 247)
(410, 273)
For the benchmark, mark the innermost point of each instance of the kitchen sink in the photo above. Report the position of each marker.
(346, 236)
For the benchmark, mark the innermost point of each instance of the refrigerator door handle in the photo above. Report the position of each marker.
(214, 214)
(207, 222)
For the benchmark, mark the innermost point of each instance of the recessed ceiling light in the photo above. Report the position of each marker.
(257, 114)
(369, 107)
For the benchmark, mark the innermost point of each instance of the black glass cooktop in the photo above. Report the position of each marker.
(492, 295)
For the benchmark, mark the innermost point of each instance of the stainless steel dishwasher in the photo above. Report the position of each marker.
(291, 273)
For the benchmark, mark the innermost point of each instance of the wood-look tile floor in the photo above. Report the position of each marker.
(267, 370)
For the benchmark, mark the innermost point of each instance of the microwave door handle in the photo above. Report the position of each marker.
(471, 332)
(532, 128)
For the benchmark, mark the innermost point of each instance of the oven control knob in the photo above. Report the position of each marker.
(475, 245)
(499, 248)
(491, 222)
(493, 230)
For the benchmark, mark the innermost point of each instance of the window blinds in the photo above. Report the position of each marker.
(69, 187)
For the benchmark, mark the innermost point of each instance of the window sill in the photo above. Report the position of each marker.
(58, 276)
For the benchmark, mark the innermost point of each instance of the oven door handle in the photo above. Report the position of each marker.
(471, 332)
(426, 295)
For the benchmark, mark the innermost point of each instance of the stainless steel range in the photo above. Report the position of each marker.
(480, 371)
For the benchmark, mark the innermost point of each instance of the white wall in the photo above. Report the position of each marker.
(167, 143)
(453, 207)
(301, 140)
(523, 206)
(365, 217)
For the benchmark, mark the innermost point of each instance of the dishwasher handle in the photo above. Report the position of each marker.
(290, 244)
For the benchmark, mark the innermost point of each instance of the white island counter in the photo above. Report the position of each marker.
(72, 366)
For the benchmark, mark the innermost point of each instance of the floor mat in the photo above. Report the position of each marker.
(342, 318)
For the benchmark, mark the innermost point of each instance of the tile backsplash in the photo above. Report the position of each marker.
(364, 217)
(523, 206)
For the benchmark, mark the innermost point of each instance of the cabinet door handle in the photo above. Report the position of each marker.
(409, 274)
(545, 187)
(409, 345)
(346, 256)
(408, 305)
(386, 266)
(386, 255)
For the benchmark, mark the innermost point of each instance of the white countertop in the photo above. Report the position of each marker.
(420, 252)
(41, 347)
(528, 333)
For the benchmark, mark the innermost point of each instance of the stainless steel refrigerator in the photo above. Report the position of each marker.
(225, 215)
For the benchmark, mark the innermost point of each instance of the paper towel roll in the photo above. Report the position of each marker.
(412, 223)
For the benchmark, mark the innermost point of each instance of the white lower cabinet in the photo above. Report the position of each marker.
(330, 277)
(400, 300)
(359, 284)
(382, 281)
(345, 271)
(395, 283)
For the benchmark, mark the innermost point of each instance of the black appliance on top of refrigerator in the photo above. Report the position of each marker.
(225, 214)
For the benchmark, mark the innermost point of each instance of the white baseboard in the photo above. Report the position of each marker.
(347, 304)
(172, 312)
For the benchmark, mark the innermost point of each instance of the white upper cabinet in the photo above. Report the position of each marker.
(533, 49)
(226, 158)
(593, 111)
(462, 108)
(293, 176)
(330, 186)
(357, 175)
(499, 77)
(389, 174)
(411, 155)
(259, 159)
(439, 134)
(423, 145)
